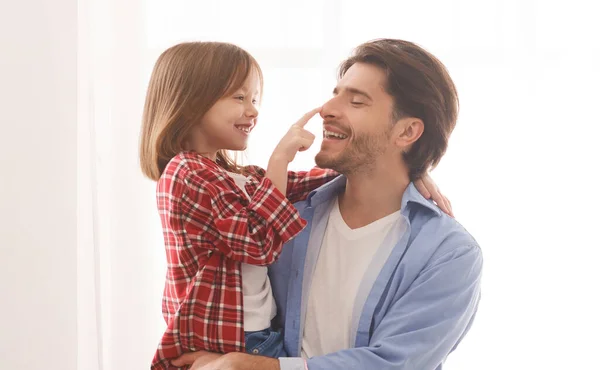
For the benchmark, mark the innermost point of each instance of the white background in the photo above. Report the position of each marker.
(81, 259)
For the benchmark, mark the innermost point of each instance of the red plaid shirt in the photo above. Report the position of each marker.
(210, 227)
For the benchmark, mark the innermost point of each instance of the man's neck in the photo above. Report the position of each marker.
(372, 195)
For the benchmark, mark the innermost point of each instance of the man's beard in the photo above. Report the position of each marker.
(358, 156)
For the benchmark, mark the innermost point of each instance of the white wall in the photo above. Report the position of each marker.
(38, 111)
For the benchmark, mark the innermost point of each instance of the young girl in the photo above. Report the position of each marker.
(222, 223)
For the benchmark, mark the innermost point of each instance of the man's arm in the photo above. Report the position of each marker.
(423, 326)
(230, 361)
(417, 333)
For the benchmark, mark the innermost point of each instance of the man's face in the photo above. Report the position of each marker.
(357, 121)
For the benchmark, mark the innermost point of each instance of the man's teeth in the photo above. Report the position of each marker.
(330, 134)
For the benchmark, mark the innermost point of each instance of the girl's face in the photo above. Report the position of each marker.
(228, 123)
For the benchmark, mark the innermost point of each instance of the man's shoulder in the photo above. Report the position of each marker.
(324, 194)
(454, 231)
(442, 235)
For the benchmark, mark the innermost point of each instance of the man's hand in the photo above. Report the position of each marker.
(198, 359)
(235, 361)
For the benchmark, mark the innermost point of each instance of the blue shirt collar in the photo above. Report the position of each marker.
(332, 188)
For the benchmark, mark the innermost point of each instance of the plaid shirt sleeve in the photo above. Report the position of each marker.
(246, 231)
(301, 183)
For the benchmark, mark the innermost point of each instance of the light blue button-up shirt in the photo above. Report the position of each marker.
(415, 303)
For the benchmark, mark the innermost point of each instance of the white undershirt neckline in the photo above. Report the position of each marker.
(345, 256)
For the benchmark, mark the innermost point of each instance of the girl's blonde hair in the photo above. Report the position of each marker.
(187, 80)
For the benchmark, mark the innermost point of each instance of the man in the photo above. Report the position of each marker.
(380, 278)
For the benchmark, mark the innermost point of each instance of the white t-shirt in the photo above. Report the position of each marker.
(344, 257)
(259, 304)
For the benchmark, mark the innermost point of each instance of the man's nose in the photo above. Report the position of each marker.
(330, 109)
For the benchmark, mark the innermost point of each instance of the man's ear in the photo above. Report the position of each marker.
(406, 131)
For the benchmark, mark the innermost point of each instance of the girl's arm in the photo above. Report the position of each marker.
(247, 231)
